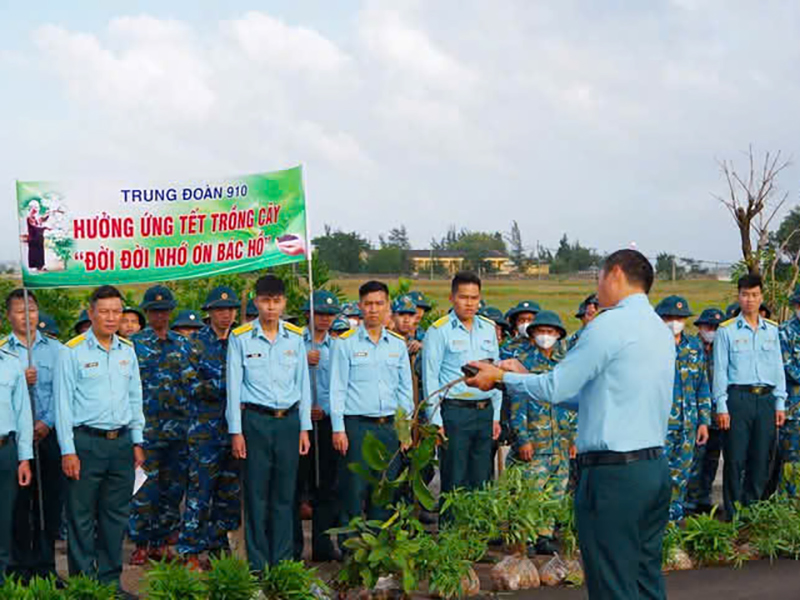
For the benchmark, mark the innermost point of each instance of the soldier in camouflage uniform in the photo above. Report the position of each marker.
(789, 434)
(706, 457)
(167, 364)
(213, 507)
(518, 318)
(587, 311)
(543, 433)
(690, 415)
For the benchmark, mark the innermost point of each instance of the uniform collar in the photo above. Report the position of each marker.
(308, 337)
(37, 339)
(363, 335)
(741, 323)
(91, 339)
(633, 300)
(455, 322)
(258, 331)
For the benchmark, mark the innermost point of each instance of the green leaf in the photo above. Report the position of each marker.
(422, 456)
(375, 453)
(363, 472)
(382, 494)
(422, 493)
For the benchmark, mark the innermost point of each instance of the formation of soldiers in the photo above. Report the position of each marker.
(270, 413)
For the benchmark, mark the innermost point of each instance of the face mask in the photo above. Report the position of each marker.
(353, 323)
(545, 341)
(708, 336)
(676, 327)
(522, 329)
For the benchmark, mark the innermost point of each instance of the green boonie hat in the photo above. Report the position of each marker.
(188, 318)
(47, 324)
(795, 298)
(420, 300)
(710, 316)
(82, 318)
(351, 309)
(547, 318)
(733, 310)
(404, 305)
(221, 297)
(339, 324)
(138, 313)
(673, 306)
(325, 303)
(158, 297)
(526, 306)
(251, 310)
(494, 314)
(585, 304)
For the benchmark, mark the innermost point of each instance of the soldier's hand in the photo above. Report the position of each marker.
(525, 452)
(40, 431)
(702, 435)
(313, 358)
(340, 442)
(317, 414)
(441, 438)
(513, 365)
(488, 375)
(414, 346)
(305, 443)
(573, 452)
(496, 429)
(30, 375)
(138, 457)
(71, 465)
(24, 473)
(723, 421)
(238, 446)
(780, 418)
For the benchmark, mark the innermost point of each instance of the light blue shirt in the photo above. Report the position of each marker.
(746, 357)
(15, 407)
(98, 388)
(270, 374)
(448, 346)
(367, 378)
(322, 372)
(620, 375)
(45, 356)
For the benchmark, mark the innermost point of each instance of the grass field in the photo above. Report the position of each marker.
(564, 296)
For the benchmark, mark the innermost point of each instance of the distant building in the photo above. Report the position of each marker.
(452, 261)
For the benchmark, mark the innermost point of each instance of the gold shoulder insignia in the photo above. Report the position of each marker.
(487, 319)
(397, 335)
(347, 334)
(75, 341)
(439, 322)
(728, 322)
(125, 341)
(771, 322)
(4, 341)
(243, 329)
(293, 328)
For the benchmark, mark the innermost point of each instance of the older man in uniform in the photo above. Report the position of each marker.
(100, 423)
(750, 392)
(620, 377)
(269, 417)
(790, 347)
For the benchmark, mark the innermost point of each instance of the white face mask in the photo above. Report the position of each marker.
(522, 329)
(545, 341)
(676, 327)
(353, 323)
(708, 336)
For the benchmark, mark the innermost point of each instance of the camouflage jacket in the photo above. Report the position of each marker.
(573, 339)
(789, 335)
(168, 370)
(208, 417)
(691, 396)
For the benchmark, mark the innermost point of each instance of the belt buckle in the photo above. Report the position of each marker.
(757, 390)
(481, 404)
(112, 435)
(279, 414)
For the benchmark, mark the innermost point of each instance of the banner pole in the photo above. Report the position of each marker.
(313, 370)
(32, 395)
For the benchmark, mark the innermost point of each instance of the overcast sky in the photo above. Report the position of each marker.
(599, 119)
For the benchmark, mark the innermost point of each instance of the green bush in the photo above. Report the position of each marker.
(173, 581)
(85, 588)
(772, 527)
(230, 579)
(291, 580)
(710, 541)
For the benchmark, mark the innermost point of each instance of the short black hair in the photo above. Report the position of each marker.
(638, 270)
(750, 281)
(372, 286)
(464, 278)
(269, 285)
(19, 294)
(104, 292)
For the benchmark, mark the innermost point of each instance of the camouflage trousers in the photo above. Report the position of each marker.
(679, 451)
(704, 470)
(213, 505)
(550, 471)
(789, 451)
(155, 509)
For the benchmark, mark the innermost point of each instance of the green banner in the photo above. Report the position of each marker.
(89, 233)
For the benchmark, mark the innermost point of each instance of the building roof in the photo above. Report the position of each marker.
(426, 254)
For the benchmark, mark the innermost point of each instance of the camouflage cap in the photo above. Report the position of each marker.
(526, 306)
(251, 310)
(710, 316)
(673, 306)
(340, 325)
(221, 297)
(404, 304)
(420, 300)
(47, 324)
(82, 318)
(325, 303)
(732, 310)
(188, 318)
(547, 318)
(494, 314)
(138, 313)
(592, 299)
(351, 309)
(158, 297)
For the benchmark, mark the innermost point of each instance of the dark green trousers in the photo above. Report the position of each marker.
(270, 477)
(465, 460)
(34, 548)
(621, 513)
(355, 493)
(98, 505)
(8, 493)
(746, 447)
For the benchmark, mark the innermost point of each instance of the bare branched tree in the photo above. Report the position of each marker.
(753, 200)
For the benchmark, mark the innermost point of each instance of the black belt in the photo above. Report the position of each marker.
(277, 413)
(376, 420)
(109, 434)
(476, 404)
(758, 390)
(593, 459)
(8, 438)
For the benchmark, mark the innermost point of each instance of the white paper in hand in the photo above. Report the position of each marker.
(139, 479)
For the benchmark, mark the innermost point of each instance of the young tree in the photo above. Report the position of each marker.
(517, 248)
(341, 251)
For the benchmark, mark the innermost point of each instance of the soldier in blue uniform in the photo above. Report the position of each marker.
(502, 328)
(790, 348)
(168, 369)
(706, 457)
(269, 417)
(690, 415)
(469, 420)
(750, 393)
(187, 323)
(34, 547)
(587, 311)
(424, 306)
(370, 380)
(99, 422)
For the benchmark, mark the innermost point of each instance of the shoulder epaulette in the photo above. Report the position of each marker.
(75, 341)
(347, 334)
(4, 341)
(125, 341)
(293, 328)
(771, 322)
(487, 319)
(728, 322)
(395, 334)
(242, 329)
(439, 322)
